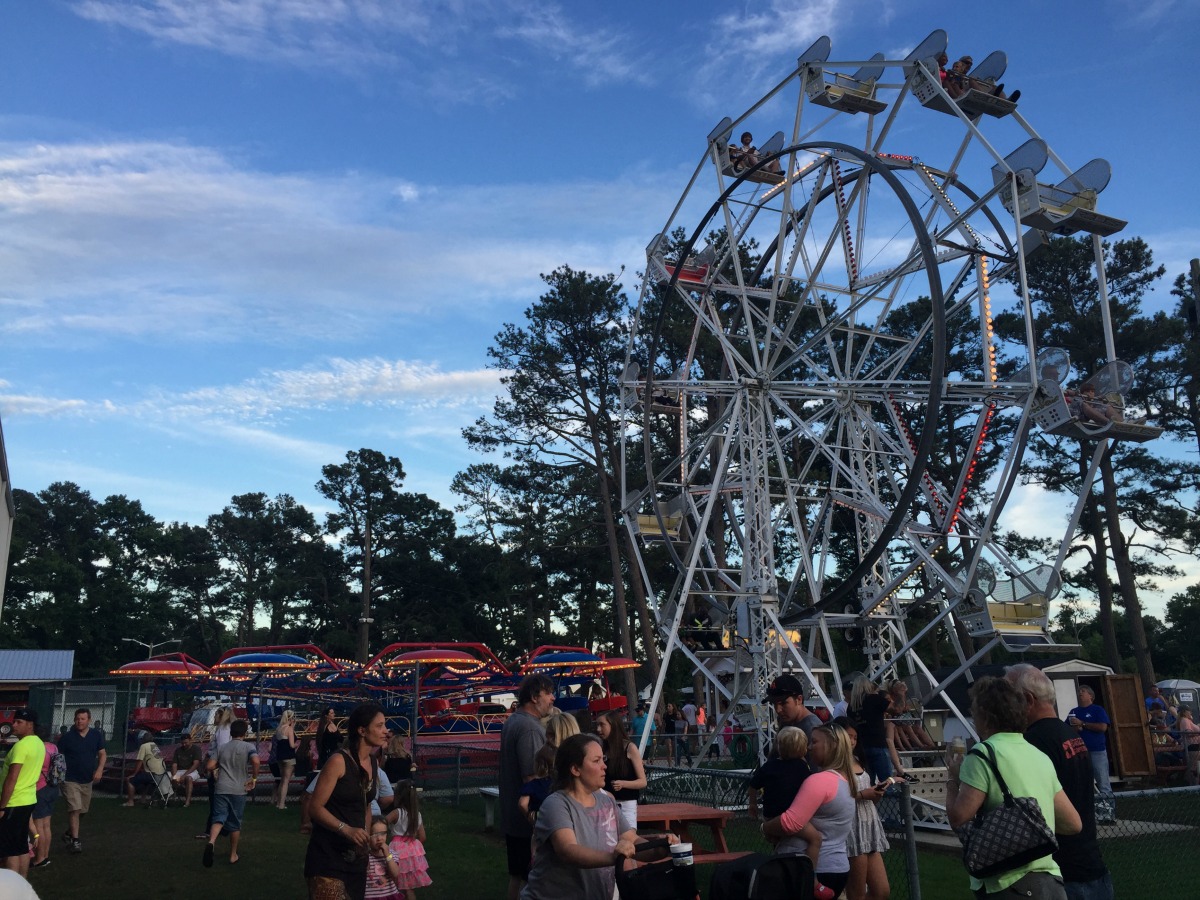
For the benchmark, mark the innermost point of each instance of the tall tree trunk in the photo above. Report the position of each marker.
(362, 654)
(1120, 551)
(1104, 592)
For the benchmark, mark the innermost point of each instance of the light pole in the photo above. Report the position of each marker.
(150, 647)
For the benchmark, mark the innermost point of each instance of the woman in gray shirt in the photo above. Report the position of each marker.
(577, 839)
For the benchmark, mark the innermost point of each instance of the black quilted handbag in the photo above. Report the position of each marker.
(1007, 837)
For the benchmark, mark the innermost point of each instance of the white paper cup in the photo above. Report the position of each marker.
(681, 854)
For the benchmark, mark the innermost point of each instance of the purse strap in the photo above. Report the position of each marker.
(990, 759)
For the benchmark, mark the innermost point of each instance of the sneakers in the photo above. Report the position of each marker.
(45, 862)
(208, 855)
(76, 845)
(66, 838)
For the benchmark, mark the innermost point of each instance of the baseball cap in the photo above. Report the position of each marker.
(785, 686)
(26, 714)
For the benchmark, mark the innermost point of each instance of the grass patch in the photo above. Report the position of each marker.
(151, 854)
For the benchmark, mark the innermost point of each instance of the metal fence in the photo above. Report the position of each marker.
(452, 771)
(1153, 842)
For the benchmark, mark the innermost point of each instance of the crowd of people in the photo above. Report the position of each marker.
(568, 797)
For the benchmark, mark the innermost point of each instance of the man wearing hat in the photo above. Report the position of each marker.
(22, 768)
(786, 694)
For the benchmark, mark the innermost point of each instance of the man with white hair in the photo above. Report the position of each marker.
(1085, 876)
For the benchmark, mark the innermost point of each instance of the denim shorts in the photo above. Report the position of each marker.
(228, 810)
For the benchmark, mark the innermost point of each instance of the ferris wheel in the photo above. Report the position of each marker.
(814, 377)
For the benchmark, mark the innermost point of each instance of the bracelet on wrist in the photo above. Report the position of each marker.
(341, 825)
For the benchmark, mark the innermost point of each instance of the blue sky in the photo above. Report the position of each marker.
(241, 238)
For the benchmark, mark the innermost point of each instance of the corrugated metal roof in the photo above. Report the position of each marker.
(37, 665)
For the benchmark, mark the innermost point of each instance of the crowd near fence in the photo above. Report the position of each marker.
(1152, 841)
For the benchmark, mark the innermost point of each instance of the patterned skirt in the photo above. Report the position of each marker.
(410, 857)
(866, 834)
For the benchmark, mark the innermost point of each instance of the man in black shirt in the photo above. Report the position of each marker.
(1085, 876)
(786, 694)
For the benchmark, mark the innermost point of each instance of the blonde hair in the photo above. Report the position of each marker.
(288, 718)
(842, 759)
(792, 743)
(559, 728)
(858, 692)
(224, 717)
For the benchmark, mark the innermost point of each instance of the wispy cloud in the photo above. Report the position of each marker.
(145, 238)
(748, 44)
(436, 45)
(338, 383)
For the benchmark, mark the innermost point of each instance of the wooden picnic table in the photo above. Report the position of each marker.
(681, 817)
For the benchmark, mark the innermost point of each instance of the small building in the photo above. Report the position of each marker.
(23, 670)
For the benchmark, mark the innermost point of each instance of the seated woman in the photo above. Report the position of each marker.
(577, 839)
(826, 801)
(957, 82)
(1086, 408)
(909, 735)
(744, 155)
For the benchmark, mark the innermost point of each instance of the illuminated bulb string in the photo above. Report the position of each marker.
(847, 239)
(949, 202)
(989, 329)
(912, 445)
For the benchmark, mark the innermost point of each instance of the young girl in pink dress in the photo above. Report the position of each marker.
(382, 866)
(408, 841)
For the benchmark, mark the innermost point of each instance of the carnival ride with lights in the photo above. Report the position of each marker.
(451, 684)
(814, 374)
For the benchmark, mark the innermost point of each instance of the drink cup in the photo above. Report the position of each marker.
(681, 854)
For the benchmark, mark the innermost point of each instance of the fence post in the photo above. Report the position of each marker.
(458, 754)
(910, 844)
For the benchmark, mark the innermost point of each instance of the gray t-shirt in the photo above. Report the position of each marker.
(596, 827)
(520, 740)
(233, 767)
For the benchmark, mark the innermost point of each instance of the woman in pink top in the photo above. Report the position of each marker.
(827, 801)
(47, 796)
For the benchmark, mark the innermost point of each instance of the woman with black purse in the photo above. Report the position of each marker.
(1005, 763)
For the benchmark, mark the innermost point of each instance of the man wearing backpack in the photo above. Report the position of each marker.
(54, 770)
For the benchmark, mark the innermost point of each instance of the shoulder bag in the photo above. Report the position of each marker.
(1007, 837)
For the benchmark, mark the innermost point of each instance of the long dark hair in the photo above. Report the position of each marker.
(361, 717)
(615, 745)
(571, 753)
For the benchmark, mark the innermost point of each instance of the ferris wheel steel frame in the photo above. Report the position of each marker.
(877, 467)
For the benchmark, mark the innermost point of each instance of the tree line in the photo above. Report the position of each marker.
(534, 549)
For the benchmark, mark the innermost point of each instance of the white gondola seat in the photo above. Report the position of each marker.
(1063, 208)
(695, 269)
(846, 93)
(1110, 383)
(652, 529)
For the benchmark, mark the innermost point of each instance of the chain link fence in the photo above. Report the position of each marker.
(1154, 842)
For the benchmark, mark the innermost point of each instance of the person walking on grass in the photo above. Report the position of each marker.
(520, 740)
(18, 796)
(47, 796)
(236, 766)
(83, 748)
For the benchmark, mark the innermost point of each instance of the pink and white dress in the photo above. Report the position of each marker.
(410, 855)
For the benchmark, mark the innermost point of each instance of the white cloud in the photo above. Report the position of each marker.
(145, 238)
(436, 46)
(339, 383)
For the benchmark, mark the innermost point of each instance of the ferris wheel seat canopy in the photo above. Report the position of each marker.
(1063, 208)
(847, 93)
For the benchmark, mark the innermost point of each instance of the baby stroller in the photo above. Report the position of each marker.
(162, 791)
(662, 880)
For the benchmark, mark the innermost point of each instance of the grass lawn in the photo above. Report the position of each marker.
(145, 854)
(151, 853)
